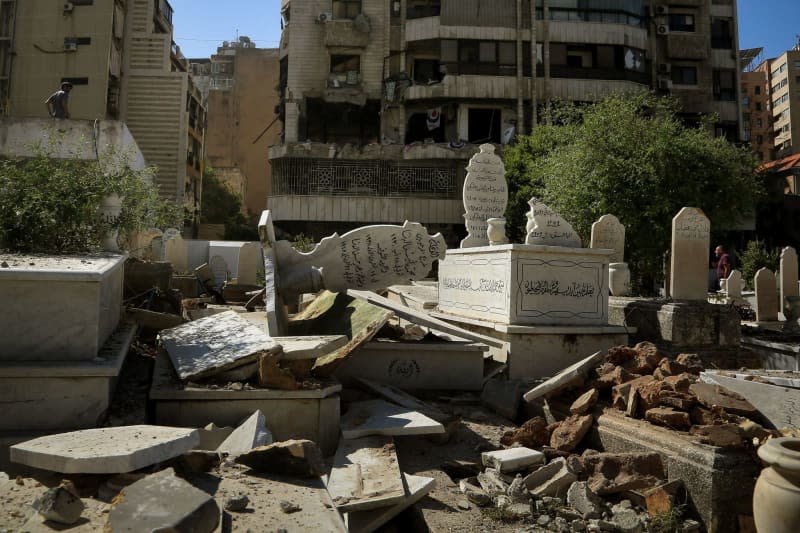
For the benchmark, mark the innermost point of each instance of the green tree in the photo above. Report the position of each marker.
(220, 205)
(631, 156)
(51, 205)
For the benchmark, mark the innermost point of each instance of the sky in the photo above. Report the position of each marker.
(202, 25)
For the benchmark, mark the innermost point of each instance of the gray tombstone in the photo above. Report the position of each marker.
(608, 232)
(788, 274)
(691, 240)
(766, 296)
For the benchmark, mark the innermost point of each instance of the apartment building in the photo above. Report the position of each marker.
(784, 83)
(756, 105)
(240, 83)
(121, 60)
(383, 103)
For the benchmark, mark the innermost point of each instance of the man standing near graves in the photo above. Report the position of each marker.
(58, 102)
(723, 262)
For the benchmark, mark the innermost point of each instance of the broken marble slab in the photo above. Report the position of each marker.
(252, 433)
(215, 344)
(366, 475)
(111, 450)
(369, 521)
(379, 417)
(780, 406)
(309, 346)
(163, 502)
(570, 375)
(402, 398)
(546, 227)
(512, 459)
(211, 436)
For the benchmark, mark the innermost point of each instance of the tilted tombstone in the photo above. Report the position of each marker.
(366, 258)
(176, 252)
(734, 285)
(788, 274)
(766, 296)
(548, 228)
(247, 270)
(608, 232)
(691, 238)
(485, 195)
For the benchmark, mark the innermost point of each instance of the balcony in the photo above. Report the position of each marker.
(162, 15)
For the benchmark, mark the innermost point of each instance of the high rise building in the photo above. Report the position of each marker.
(121, 60)
(756, 105)
(784, 82)
(383, 103)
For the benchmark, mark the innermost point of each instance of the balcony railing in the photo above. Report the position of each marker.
(164, 9)
(319, 177)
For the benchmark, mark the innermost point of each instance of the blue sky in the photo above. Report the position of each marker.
(201, 25)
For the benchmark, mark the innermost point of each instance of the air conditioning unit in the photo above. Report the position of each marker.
(68, 7)
(664, 68)
(662, 29)
(664, 84)
(662, 10)
(324, 17)
(71, 47)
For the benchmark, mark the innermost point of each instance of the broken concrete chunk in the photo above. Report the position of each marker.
(518, 492)
(611, 473)
(288, 458)
(212, 436)
(585, 402)
(474, 493)
(237, 504)
(60, 504)
(105, 450)
(570, 432)
(723, 435)
(512, 459)
(666, 416)
(570, 375)
(272, 376)
(378, 417)
(215, 344)
(365, 475)
(627, 520)
(252, 433)
(553, 479)
(681, 382)
(711, 395)
(616, 377)
(368, 521)
(678, 400)
(581, 498)
(532, 434)
(198, 461)
(491, 481)
(163, 502)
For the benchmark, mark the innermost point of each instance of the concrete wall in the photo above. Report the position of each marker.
(366, 209)
(67, 139)
(40, 61)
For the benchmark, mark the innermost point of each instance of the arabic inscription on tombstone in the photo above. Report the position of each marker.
(485, 195)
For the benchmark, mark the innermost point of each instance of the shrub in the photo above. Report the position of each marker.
(757, 256)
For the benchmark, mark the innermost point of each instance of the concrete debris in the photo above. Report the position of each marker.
(463, 505)
(252, 433)
(368, 521)
(780, 406)
(610, 473)
(512, 459)
(198, 461)
(491, 482)
(60, 504)
(581, 498)
(163, 502)
(626, 520)
(722, 435)
(571, 432)
(711, 395)
(518, 492)
(301, 458)
(474, 493)
(237, 504)
(553, 479)
(585, 402)
(212, 436)
(666, 416)
(533, 434)
(289, 507)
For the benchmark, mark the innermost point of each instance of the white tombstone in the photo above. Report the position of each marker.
(548, 228)
(176, 251)
(485, 195)
(788, 274)
(142, 243)
(733, 285)
(691, 238)
(246, 272)
(219, 267)
(766, 296)
(608, 232)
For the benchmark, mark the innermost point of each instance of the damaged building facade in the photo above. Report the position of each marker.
(383, 103)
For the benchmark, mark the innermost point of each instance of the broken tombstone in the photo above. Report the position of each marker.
(301, 458)
(252, 433)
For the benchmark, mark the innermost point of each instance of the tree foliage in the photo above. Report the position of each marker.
(51, 205)
(221, 205)
(630, 156)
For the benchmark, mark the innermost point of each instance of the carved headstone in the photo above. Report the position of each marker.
(176, 251)
(367, 258)
(247, 269)
(788, 274)
(766, 296)
(691, 240)
(219, 268)
(734, 285)
(485, 195)
(608, 232)
(546, 227)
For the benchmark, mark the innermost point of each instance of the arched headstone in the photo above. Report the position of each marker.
(691, 238)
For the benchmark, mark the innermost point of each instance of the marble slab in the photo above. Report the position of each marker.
(779, 405)
(105, 450)
(369, 521)
(379, 417)
(211, 345)
(309, 347)
(526, 285)
(365, 474)
(485, 195)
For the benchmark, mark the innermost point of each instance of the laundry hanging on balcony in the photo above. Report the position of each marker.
(434, 118)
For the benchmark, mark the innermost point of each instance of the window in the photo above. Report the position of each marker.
(759, 123)
(757, 89)
(758, 106)
(724, 85)
(341, 64)
(797, 64)
(745, 101)
(680, 22)
(684, 75)
(721, 35)
(426, 71)
(422, 8)
(346, 9)
(76, 81)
